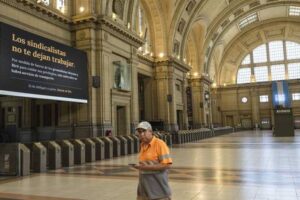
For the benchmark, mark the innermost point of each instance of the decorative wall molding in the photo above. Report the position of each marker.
(40, 11)
(175, 63)
(146, 60)
(76, 22)
(119, 31)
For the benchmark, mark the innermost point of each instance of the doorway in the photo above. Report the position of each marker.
(246, 123)
(207, 121)
(179, 119)
(265, 123)
(145, 97)
(229, 120)
(121, 120)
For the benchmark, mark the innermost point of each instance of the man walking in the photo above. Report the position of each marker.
(154, 162)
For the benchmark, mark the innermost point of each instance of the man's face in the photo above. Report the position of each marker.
(144, 135)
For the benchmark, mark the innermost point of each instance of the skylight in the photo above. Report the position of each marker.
(248, 20)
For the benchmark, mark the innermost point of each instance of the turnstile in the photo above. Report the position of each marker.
(116, 146)
(136, 143)
(89, 150)
(79, 151)
(130, 144)
(38, 157)
(53, 154)
(24, 160)
(108, 146)
(99, 148)
(14, 159)
(123, 143)
(67, 153)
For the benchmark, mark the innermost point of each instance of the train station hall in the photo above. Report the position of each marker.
(149, 99)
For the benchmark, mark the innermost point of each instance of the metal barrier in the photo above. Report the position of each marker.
(168, 138)
(130, 144)
(124, 147)
(136, 143)
(90, 154)
(117, 146)
(67, 153)
(223, 130)
(53, 154)
(99, 148)
(38, 157)
(184, 136)
(24, 160)
(14, 160)
(108, 145)
(79, 151)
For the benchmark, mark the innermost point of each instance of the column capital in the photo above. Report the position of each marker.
(172, 62)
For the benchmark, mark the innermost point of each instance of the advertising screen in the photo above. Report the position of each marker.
(280, 94)
(36, 67)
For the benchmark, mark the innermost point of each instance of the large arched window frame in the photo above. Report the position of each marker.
(143, 31)
(59, 5)
(275, 60)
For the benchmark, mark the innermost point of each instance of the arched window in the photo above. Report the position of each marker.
(142, 29)
(276, 60)
(59, 5)
(44, 2)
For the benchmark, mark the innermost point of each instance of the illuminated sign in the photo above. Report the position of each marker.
(280, 93)
(36, 67)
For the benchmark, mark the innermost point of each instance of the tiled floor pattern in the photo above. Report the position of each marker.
(241, 166)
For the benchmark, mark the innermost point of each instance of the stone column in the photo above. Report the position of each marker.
(200, 107)
(134, 91)
(84, 40)
(185, 111)
(166, 110)
(255, 106)
(215, 108)
(106, 70)
(197, 102)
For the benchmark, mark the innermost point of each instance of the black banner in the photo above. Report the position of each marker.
(36, 67)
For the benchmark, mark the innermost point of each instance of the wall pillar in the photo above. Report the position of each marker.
(185, 109)
(255, 106)
(134, 88)
(201, 107)
(166, 110)
(197, 102)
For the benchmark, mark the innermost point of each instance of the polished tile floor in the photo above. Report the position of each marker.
(249, 165)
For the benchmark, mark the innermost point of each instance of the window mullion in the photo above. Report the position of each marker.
(268, 63)
(285, 60)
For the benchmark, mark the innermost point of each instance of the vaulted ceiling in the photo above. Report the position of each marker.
(206, 33)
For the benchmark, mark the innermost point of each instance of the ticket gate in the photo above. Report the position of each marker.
(99, 148)
(38, 157)
(79, 151)
(14, 159)
(136, 143)
(24, 160)
(123, 143)
(53, 154)
(89, 150)
(108, 146)
(130, 144)
(67, 153)
(116, 146)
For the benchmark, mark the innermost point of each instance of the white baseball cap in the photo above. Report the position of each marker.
(144, 125)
